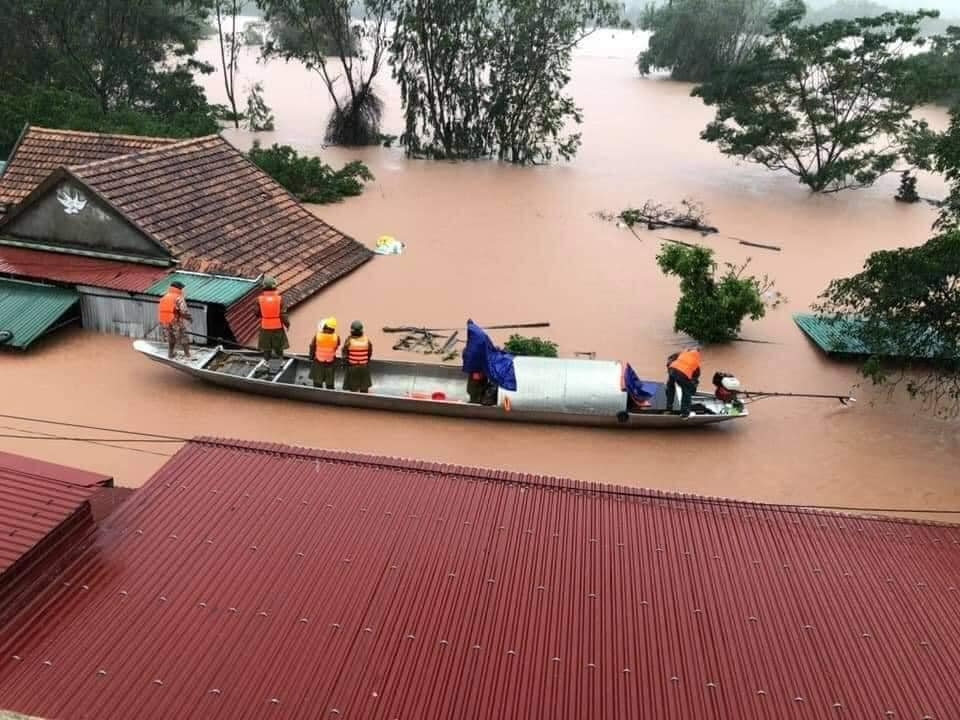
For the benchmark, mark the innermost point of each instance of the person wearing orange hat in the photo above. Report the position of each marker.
(323, 351)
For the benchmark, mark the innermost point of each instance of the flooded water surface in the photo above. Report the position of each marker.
(501, 244)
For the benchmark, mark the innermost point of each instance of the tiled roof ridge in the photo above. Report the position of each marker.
(554, 482)
(92, 133)
(177, 145)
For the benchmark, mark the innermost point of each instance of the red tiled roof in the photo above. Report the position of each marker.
(216, 212)
(77, 269)
(35, 497)
(40, 151)
(241, 319)
(252, 581)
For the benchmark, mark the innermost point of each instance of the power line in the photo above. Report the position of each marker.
(773, 507)
(50, 436)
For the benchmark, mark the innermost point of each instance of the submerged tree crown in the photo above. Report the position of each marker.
(829, 104)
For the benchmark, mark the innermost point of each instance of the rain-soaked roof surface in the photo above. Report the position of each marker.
(261, 581)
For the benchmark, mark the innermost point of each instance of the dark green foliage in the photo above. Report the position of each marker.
(935, 73)
(908, 188)
(711, 309)
(908, 300)
(258, 116)
(521, 345)
(309, 179)
(482, 78)
(830, 104)
(48, 107)
(947, 161)
(695, 39)
(324, 34)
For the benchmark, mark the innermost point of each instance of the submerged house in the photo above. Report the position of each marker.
(112, 220)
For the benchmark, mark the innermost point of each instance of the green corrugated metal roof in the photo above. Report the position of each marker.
(842, 336)
(28, 310)
(215, 289)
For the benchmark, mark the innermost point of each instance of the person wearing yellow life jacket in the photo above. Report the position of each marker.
(323, 351)
(173, 316)
(683, 369)
(274, 322)
(357, 351)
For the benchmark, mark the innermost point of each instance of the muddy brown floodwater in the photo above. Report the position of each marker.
(503, 244)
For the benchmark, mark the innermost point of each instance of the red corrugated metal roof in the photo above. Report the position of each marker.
(36, 497)
(264, 581)
(77, 269)
(241, 319)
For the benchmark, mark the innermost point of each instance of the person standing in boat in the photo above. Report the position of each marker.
(323, 350)
(274, 322)
(683, 369)
(173, 316)
(357, 351)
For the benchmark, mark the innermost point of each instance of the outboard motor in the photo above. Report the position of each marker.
(727, 388)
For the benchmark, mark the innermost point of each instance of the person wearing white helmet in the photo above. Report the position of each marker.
(323, 352)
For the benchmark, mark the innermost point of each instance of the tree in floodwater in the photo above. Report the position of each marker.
(482, 78)
(830, 104)
(694, 39)
(258, 115)
(226, 12)
(908, 305)
(319, 29)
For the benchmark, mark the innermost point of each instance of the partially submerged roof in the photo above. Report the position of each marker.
(843, 336)
(256, 580)
(77, 269)
(218, 213)
(29, 310)
(42, 150)
(204, 288)
(35, 498)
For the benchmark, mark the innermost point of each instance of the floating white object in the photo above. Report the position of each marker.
(389, 245)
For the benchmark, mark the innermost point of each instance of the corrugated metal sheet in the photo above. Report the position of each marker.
(842, 337)
(36, 497)
(273, 582)
(119, 314)
(216, 289)
(77, 270)
(242, 320)
(28, 310)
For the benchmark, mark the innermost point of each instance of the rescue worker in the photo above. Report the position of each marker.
(357, 351)
(683, 369)
(273, 321)
(323, 350)
(173, 316)
(477, 386)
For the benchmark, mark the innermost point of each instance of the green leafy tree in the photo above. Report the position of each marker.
(309, 179)
(484, 78)
(258, 115)
(907, 302)
(712, 308)
(935, 73)
(319, 29)
(829, 104)
(694, 39)
(226, 13)
(535, 346)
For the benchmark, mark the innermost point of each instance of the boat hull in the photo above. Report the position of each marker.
(405, 387)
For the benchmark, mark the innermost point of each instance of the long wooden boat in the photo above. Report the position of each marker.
(549, 390)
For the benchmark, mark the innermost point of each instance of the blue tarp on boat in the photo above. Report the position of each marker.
(640, 389)
(481, 355)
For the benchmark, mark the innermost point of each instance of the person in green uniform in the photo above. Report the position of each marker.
(357, 351)
(274, 322)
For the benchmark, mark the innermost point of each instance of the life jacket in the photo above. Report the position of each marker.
(687, 362)
(358, 350)
(327, 344)
(270, 301)
(168, 306)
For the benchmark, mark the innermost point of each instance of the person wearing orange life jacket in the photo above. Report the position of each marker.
(683, 369)
(173, 316)
(357, 351)
(273, 321)
(323, 350)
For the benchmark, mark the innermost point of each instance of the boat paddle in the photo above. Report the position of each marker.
(752, 396)
(411, 328)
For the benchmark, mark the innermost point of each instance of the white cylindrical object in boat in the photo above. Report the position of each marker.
(564, 385)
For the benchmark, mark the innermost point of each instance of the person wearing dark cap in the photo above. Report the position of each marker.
(274, 322)
(357, 351)
(173, 316)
